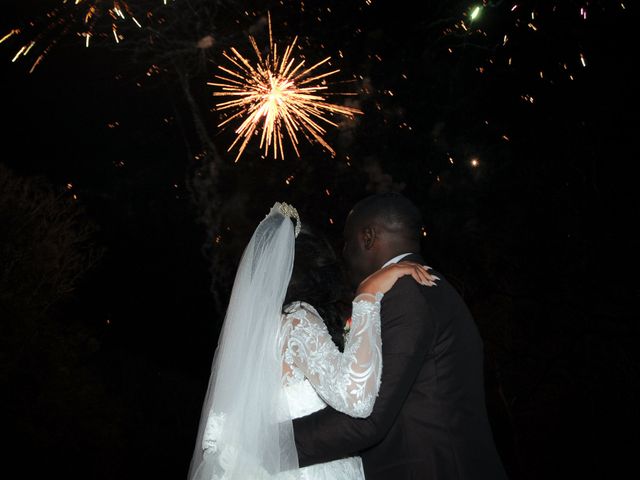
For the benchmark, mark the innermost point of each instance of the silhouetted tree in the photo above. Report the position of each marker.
(47, 358)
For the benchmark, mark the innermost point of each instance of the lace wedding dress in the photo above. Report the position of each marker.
(316, 373)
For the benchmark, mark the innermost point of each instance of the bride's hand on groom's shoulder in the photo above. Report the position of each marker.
(384, 279)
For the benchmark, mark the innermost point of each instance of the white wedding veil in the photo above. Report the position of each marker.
(245, 429)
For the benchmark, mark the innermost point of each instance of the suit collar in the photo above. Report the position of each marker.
(397, 258)
(415, 257)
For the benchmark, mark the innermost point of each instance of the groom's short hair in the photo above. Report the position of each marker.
(391, 210)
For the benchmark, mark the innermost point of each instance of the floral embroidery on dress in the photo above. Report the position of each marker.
(316, 373)
(212, 432)
(347, 381)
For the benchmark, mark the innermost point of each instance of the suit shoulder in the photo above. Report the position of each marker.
(406, 290)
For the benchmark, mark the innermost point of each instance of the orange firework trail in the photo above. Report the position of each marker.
(86, 18)
(279, 96)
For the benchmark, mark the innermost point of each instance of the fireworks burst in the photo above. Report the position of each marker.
(278, 95)
(85, 18)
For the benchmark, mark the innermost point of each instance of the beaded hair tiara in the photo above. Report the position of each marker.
(291, 212)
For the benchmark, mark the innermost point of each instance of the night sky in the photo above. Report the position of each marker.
(123, 216)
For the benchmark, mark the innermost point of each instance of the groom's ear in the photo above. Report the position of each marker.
(368, 237)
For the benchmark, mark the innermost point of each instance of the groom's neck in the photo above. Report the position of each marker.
(390, 253)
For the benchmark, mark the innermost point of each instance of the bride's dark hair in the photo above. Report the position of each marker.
(319, 279)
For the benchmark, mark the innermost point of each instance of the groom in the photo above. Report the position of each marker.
(429, 420)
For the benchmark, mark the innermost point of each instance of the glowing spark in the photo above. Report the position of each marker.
(29, 48)
(18, 54)
(12, 32)
(475, 13)
(279, 96)
(583, 61)
(36, 63)
(475, 162)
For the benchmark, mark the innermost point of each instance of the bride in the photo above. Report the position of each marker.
(277, 360)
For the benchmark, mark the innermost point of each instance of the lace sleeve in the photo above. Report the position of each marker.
(348, 381)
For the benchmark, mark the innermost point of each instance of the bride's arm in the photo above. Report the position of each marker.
(348, 381)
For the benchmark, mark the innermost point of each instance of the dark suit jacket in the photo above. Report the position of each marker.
(429, 420)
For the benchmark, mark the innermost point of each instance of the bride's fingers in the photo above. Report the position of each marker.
(419, 272)
(417, 277)
(423, 272)
(430, 275)
(421, 276)
(429, 279)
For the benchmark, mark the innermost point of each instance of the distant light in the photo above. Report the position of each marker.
(475, 13)
(475, 162)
